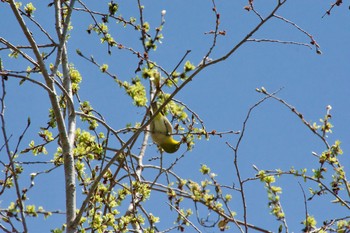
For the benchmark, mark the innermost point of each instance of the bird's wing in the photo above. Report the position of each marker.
(168, 125)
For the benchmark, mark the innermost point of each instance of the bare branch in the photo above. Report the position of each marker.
(25, 56)
(295, 111)
(40, 27)
(336, 3)
(249, 35)
(215, 32)
(313, 42)
(280, 42)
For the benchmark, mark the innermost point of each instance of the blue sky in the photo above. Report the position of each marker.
(221, 95)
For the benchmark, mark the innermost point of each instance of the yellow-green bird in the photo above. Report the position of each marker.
(161, 131)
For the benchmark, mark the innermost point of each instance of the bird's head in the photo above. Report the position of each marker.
(170, 145)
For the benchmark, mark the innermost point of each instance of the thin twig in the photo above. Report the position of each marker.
(217, 23)
(296, 112)
(249, 35)
(39, 26)
(28, 47)
(27, 78)
(118, 18)
(255, 11)
(24, 55)
(305, 203)
(280, 42)
(187, 220)
(336, 3)
(235, 149)
(313, 42)
(318, 181)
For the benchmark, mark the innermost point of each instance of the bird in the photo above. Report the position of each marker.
(161, 131)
